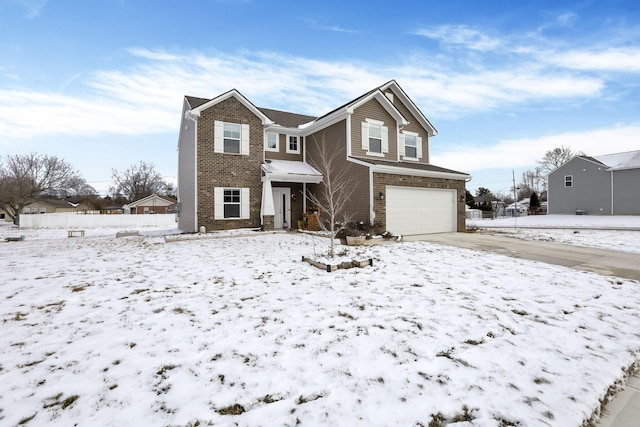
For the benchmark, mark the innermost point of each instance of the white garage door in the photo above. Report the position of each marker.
(420, 210)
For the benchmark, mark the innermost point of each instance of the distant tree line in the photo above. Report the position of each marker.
(25, 177)
(533, 182)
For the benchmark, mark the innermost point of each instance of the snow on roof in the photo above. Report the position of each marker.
(627, 160)
(289, 167)
(291, 171)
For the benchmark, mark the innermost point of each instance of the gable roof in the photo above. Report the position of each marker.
(286, 119)
(154, 198)
(378, 93)
(200, 105)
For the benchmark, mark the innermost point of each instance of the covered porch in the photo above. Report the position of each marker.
(283, 188)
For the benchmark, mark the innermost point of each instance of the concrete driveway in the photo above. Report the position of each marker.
(606, 262)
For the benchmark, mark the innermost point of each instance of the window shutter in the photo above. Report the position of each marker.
(244, 140)
(365, 136)
(218, 137)
(218, 203)
(244, 203)
(419, 148)
(401, 143)
(385, 139)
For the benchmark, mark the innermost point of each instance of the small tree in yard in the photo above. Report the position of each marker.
(534, 202)
(335, 191)
(26, 176)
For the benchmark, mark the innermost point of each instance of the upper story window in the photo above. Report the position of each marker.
(272, 141)
(568, 181)
(293, 144)
(410, 145)
(375, 137)
(231, 138)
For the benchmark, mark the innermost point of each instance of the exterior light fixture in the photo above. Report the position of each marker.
(381, 195)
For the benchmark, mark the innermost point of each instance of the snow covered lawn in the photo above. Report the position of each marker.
(238, 331)
(618, 233)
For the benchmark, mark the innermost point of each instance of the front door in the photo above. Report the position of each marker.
(282, 207)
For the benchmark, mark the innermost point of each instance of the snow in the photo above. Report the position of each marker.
(156, 330)
(627, 160)
(619, 233)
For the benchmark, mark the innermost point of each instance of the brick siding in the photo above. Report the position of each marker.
(228, 170)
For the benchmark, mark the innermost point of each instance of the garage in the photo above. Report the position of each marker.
(412, 210)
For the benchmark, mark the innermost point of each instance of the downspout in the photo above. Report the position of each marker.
(612, 193)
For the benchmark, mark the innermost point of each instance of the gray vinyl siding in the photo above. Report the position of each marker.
(591, 190)
(373, 110)
(626, 192)
(335, 138)
(187, 174)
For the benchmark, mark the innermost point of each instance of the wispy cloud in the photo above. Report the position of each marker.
(567, 19)
(33, 7)
(146, 97)
(461, 36)
(315, 25)
(519, 153)
(626, 59)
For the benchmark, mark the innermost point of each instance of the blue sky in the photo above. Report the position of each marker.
(101, 82)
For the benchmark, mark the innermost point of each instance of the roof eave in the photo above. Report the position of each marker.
(232, 93)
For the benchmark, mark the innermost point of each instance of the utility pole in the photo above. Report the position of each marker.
(515, 201)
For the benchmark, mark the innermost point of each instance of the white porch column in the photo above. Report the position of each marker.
(267, 209)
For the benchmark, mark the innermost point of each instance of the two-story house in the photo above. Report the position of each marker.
(241, 166)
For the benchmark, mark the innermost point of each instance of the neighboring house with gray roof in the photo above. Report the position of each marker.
(596, 185)
(243, 166)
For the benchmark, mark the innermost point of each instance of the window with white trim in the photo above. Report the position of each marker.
(375, 137)
(272, 141)
(293, 144)
(231, 203)
(568, 181)
(411, 145)
(231, 138)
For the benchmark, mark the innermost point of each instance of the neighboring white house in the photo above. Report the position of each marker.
(152, 204)
(598, 185)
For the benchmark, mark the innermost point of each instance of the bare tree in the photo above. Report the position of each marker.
(138, 181)
(335, 191)
(26, 176)
(555, 158)
(532, 180)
